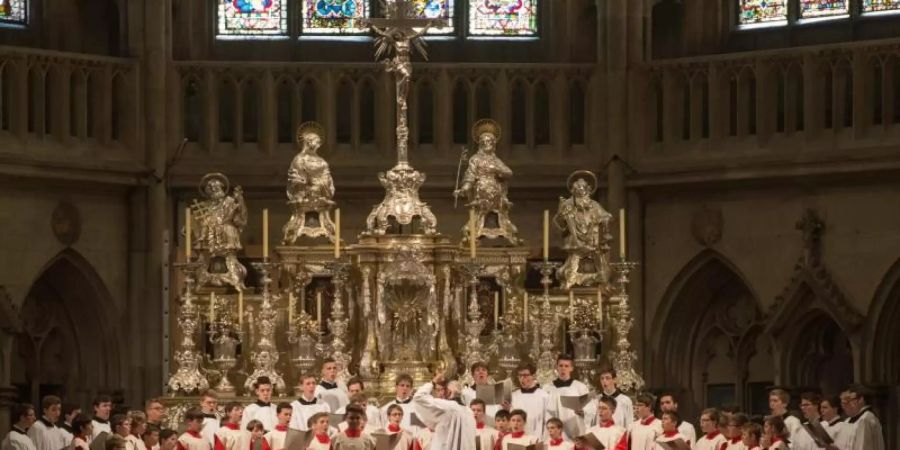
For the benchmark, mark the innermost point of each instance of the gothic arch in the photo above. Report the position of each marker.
(70, 345)
(708, 315)
(881, 363)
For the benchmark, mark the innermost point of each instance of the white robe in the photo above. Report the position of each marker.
(609, 435)
(133, 442)
(407, 408)
(192, 441)
(100, 427)
(47, 436)
(866, 431)
(642, 434)
(262, 412)
(674, 437)
(490, 411)
(210, 426)
(316, 445)
(840, 432)
(624, 413)
(563, 445)
(711, 441)
(339, 394)
(735, 445)
(17, 439)
(301, 412)
(231, 437)
(536, 404)
(526, 439)
(488, 436)
(573, 424)
(453, 424)
(802, 440)
(688, 431)
(276, 437)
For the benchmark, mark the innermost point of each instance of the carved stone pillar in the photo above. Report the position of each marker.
(443, 116)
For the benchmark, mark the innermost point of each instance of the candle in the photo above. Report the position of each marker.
(599, 307)
(266, 233)
(337, 233)
(546, 235)
(212, 308)
(319, 308)
(525, 309)
(572, 304)
(497, 310)
(290, 308)
(622, 233)
(187, 233)
(472, 237)
(240, 310)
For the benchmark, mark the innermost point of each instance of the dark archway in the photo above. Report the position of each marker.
(705, 334)
(819, 355)
(69, 346)
(882, 360)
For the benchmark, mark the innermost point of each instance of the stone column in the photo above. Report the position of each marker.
(155, 59)
(443, 117)
(268, 114)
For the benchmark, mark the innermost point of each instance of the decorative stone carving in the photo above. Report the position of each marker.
(707, 226)
(66, 223)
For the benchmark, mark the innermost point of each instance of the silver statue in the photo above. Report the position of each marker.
(485, 186)
(310, 188)
(585, 226)
(221, 219)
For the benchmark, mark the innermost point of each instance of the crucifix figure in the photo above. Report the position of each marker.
(397, 32)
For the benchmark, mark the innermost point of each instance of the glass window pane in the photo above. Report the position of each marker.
(881, 5)
(334, 16)
(14, 12)
(823, 8)
(770, 12)
(251, 19)
(503, 17)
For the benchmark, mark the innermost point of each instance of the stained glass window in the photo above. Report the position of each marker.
(758, 12)
(435, 9)
(334, 16)
(823, 8)
(881, 5)
(503, 17)
(14, 12)
(252, 18)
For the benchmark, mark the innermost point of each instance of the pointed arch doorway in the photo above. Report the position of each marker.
(69, 345)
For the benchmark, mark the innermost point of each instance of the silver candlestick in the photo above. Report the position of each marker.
(474, 325)
(548, 322)
(623, 358)
(265, 354)
(338, 323)
(188, 378)
(225, 335)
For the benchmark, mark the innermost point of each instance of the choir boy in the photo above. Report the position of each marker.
(712, 439)
(403, 398)
(102, 407)
(276, 437)
(606, 431)
(135, 439)
(667, 403)
(531, 399)
(862, 422)
(624, 409)
(81, 431)
(406, 440)
(809, 406)
(257, 436)
(209, 403)
(751, 434)
(518, 431)
(501, 423)
(834, 422)
(480, 375)
(45, 433)
(155, 411)
(150, 438)
(373, 414)
(168, 439)
(331, 387)
(775, 434)
(318, 423)
(733, 431)
(17, 438)
(642, 433)
(230, 436)
(566, 386)
(262, 410)
(779, 399)
(360, 399)
(670, 429)
(69, 412)
(191, 439)
(307, 405)
(555, 439)
(352, 438)
(485, 434)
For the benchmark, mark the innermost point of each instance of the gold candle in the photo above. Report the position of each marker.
(319, 308)
(240, 310)
(497, 310)
(212, 308)
(472, 238)
(546, 235)
(290, 308)
(599, 307)
(571, 304)
(266, 233)
(622, 233)
(187, 234)
(337, 233)
(525, 310)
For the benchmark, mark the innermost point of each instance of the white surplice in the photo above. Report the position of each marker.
(866, 430)
(536, 404)
(453, 424)
(46, 435)
(17, 439)
(304, 408)
(573, 424)
(261, 411)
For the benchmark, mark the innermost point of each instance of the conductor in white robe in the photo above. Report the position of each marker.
(453, 423)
